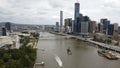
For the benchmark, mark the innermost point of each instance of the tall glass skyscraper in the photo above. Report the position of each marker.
(77, 8)
(61, 20)
(76, 17)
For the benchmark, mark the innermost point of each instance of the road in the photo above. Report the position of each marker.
(52, 50)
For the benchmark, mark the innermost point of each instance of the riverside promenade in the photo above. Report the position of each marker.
(103, 45)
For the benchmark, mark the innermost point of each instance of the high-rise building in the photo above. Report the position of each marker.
(100, 27)
(72, 26)
(84, 26)
(92, 26)
(110, 29)
(77, 9)
(57, 27)
(116, 26)
(68, 22)
(105, 23)
(0, 31)
(61, 21)
(77, 17)
(4, 33)
(68, 25)
(119, 29)
(8, 26)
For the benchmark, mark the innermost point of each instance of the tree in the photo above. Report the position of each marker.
(26, 62)
(6, 57)
(1, 62)
(2, 51)
(10, 64)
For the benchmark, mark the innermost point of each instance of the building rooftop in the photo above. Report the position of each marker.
(4, 40)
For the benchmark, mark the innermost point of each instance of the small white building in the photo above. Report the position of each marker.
(13, 41)
(5, 40)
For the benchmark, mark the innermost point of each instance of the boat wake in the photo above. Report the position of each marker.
(59, 61)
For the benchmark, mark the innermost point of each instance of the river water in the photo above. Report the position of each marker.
(52, 51)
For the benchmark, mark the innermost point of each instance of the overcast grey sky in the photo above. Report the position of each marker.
(47, 11)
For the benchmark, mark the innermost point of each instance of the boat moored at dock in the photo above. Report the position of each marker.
(107, 55)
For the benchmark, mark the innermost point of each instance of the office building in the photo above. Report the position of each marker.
(4, 33)
(61, 21)
(76, 17)
(57, 27)
(77, 9)
(105, 23)
(92, 26)
(110, 29)
(68, 22)
(119, 29)
(100, 27)
(8, 26)
(85, 24)
(72, 26)
(116, 26)
(68, 25)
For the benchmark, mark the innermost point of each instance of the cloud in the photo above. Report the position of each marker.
(47, 11)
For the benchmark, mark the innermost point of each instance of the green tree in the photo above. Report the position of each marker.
(6, 57)
(1, 62)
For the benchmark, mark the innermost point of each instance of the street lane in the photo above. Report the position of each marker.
(83, 56)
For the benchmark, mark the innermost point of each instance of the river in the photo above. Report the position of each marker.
(52, 51)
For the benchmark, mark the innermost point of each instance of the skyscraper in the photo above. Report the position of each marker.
(61, 21)
(77, 8)
(76, 17)
(110, 29)
(57, 27)
(8, 26)
(85, 24)
(4, 33)
(68, 25)
(100, 27)
(92, 26)
(116, 26)
(105, 23)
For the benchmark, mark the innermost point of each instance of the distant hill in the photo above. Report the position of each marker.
(2, 24)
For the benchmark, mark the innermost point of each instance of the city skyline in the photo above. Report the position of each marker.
(47, 11)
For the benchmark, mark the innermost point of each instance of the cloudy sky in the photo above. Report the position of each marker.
(47, 11)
